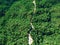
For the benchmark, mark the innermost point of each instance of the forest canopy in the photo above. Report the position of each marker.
(15, 19)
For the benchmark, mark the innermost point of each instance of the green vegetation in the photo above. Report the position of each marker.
(15, 18)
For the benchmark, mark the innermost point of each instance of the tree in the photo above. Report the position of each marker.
(15, 20)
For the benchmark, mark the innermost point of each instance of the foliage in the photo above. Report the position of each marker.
(15, 18)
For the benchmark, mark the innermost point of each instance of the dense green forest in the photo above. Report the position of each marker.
(15, 18)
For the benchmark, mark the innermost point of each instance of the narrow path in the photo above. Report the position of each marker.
(30, 40)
